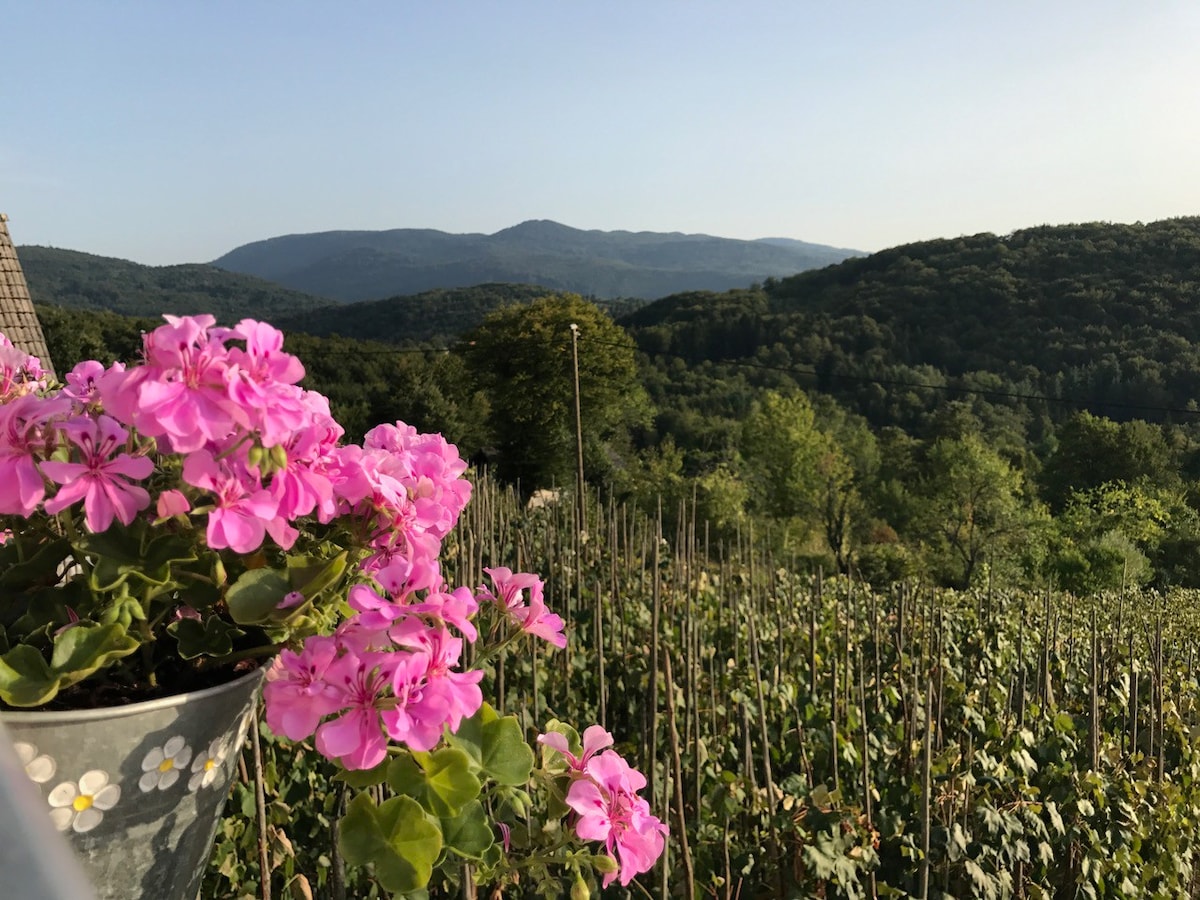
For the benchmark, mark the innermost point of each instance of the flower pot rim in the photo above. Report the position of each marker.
(62, 716)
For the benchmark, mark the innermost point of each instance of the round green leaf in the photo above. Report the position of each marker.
(468, 834)
(442, 782)
(255, 595)
(506, 757)
(399, 838)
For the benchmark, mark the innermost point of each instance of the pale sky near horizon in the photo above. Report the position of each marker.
(169, 132)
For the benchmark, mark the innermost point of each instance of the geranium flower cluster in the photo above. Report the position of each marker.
(211, 436)
(216, 416)
(388, 673)
(604, 796)
(199, 408)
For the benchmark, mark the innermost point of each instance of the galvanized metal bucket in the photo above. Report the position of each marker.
(138, 790)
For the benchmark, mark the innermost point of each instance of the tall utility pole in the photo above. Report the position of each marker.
(580, 499)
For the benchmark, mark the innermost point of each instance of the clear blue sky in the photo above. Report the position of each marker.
(173, 131)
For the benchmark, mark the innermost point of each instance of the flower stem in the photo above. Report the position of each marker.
(252, 653)
(491, 652)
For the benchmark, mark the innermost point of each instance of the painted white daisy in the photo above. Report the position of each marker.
(81, 806)
(162, 765)
(40, 768)
(244, 725)
(207, 766)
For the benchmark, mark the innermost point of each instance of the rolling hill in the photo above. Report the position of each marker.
(367, 265)
(72, 279)
(1099, 315)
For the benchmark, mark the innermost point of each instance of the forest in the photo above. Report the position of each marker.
(1021, 405)
(888, 572)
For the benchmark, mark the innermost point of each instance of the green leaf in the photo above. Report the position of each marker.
(119, 555)
(468, 834)
(361, 778)
(122, 546)
(1063, 723)
(982, 882)
(26, 678)
(18, 576)
(212, 637)
(255, 595)
(154, 566)
(506, 757)
(469, 737)
(107, 575)
(84, 648)
(399, 838)
(1056, 820)
(442, 782)
(552, 759)
(311, 576)
(45, 609)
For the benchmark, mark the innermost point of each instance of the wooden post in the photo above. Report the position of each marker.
(580, 497)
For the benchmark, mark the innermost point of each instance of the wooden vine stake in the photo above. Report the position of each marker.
(681, 816)
(926, 779)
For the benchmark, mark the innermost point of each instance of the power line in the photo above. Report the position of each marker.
(1081, 402)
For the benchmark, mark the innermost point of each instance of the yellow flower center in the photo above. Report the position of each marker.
(166, 765)
(209, 763)
(82, 802)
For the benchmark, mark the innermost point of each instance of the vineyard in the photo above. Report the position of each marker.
(812, 737)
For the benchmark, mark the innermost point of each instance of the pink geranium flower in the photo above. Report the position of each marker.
(356, 737)
(611, 811)
(301, 485)
(23, 433)
(101, 479)
(244, 512)
(416, 719)
(262, 378)
(182, 392)
(530, 615)
(82, 382)
(452, 696)
(297, 695)
(595, 739)
(20, 373)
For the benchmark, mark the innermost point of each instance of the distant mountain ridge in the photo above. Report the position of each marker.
(367, 265)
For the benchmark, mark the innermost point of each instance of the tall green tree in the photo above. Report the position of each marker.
(847, 470)
(783, 450)
(973, 504)
(1093, 451)
(521, 358)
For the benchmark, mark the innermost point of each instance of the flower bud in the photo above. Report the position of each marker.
(604, 864)
(580, 890)
(279, 456)
(172, 503)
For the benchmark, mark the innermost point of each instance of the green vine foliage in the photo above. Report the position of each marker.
(811, 737)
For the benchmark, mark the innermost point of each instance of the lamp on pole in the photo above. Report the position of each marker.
(580, 501)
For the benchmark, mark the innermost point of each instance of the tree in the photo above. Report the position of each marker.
(783, 449)
(1093, 451)
(847, 470)
(521, 358)
(973, 503)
